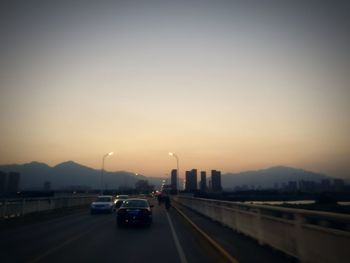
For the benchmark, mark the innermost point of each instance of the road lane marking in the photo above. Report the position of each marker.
(176, 240)
(208, 238)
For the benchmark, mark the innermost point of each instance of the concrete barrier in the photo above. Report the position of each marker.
(310, 236)
(22, 206)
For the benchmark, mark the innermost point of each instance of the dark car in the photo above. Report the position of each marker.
(135, 211)
(119, 200)
(118, 203)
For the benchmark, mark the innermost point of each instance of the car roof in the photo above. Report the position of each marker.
(136, 199)
(110, 196)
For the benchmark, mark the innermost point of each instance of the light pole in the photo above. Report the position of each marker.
(177, 169)
(103, 167)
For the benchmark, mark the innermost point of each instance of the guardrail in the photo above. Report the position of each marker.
(307, 235)
(21, 206)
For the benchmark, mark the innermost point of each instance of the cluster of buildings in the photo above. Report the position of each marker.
(9, 183)
(325, 185)
(191, 184)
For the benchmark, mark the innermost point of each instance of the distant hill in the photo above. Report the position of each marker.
(267, 178)
(68, 174)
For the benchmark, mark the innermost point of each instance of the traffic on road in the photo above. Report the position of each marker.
(82, 237)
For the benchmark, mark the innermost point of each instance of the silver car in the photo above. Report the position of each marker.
(103, 203)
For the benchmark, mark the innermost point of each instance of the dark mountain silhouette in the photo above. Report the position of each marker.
(68, 174)
(33, 174)
(267, 178)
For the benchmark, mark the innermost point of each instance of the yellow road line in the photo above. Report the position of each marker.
(219, 248)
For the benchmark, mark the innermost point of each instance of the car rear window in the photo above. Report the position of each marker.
(122, 196)
(104, 199)
(135, 203)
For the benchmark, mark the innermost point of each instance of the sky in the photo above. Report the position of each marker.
(227, 85)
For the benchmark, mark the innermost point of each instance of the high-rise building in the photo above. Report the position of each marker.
(191, 180)
(174, 180)
(193, 184)
(13, 182)
(216, 181)
(3, 179)
(203, 183)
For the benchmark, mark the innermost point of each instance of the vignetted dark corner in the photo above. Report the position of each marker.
(175, 131)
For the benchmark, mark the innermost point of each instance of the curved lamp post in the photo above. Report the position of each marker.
(177, 168)
(103, 167)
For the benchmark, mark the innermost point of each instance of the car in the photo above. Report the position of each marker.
(118, 203)
(122, 197)
(135, 211)
(119, 200)
(103, 203)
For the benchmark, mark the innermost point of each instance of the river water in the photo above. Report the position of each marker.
(297, 202)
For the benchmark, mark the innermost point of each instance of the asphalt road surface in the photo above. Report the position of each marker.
(81, 237)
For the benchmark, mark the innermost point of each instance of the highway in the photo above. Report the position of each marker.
(81, 237)
(77, 236)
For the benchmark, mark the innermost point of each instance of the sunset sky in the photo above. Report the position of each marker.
(227, 85)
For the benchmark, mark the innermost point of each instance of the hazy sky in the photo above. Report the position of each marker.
(228, 85)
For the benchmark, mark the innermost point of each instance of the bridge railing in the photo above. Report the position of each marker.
(307, 235)
(22, 206)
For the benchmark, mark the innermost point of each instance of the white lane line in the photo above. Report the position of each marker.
(176, 240)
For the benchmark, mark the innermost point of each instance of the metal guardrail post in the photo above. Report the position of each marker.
(259, 228)
(299, 239)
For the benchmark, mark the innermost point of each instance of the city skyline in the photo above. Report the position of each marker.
(230, 85)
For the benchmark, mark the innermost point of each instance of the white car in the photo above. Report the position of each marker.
(103, 203)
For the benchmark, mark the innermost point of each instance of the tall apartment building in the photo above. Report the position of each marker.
(9, 183)
(173, 180)
(203, 182)
(216, 181)
(191, 180)
(13, 182)
(3, 182)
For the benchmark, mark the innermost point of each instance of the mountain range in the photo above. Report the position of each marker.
(70, 174)
(268, 178)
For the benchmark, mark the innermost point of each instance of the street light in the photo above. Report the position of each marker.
(103, 167)
(177, 168)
